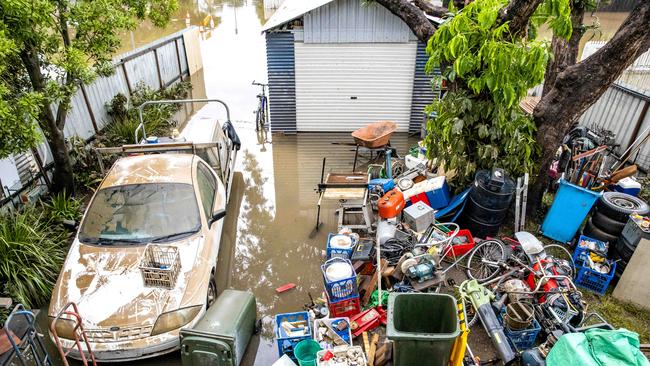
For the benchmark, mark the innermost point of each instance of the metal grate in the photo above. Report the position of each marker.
(127, 334)
(160, 266)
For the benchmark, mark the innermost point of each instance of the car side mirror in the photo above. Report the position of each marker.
(217, 216)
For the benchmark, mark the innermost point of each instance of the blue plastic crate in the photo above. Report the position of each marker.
(344, 289)
(579, 250)
(339, 252)
(523, 339)
(286, 343)
(594, 281)
(520, 339)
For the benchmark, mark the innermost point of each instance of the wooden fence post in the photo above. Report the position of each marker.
(160, 80)
(90, 108)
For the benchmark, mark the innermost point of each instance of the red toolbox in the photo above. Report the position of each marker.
(391, 204)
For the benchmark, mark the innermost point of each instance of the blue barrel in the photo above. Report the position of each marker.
(569, 209)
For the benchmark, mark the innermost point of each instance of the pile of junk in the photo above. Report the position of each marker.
(412, 269)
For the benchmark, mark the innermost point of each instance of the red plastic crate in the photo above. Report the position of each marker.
(461, 249)
(345, 308)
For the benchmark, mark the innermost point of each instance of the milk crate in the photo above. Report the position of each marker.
(345, 308)
(344, 288)
(344, 253)
(593, 280)
(160, 266)
(579, 250)
(286, 342)
(521, 339)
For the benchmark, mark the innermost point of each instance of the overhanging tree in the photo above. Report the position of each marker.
(570, 86)
(48, 48)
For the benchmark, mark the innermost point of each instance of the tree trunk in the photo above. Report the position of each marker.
(63, 178)
(580, 85)
(565, 52)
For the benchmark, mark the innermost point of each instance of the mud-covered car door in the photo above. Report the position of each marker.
(222, 158)
(212, 200)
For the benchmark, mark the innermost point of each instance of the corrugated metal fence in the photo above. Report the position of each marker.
(157, 65)
(623, 110)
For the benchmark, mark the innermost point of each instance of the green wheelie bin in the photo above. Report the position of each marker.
(423, 328)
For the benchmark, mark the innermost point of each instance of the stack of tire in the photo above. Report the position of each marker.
(608, 220)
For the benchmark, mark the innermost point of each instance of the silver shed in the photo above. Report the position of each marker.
(337, 65)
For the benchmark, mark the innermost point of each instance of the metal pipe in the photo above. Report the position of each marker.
(179, 101)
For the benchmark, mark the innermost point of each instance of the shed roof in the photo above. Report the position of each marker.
(292, 9)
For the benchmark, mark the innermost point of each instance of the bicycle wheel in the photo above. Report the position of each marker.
(559, 252)
(483, 263)
(258, 119)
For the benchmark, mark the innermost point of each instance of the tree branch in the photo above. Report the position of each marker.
(518, 12)
(580, 85)
(412, 16)
(430, 9)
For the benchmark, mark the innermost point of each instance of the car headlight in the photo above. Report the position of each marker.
(175, 319)
(65, 328)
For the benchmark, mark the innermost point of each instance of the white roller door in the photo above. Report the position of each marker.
(341, 87)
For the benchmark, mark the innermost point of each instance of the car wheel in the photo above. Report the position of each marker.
(607, 224)
(592, 231)
(619, 206)
(211, 297)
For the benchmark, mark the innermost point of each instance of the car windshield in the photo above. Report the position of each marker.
(141, 213)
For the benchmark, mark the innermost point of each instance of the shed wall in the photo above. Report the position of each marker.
(350, 21)
(280, 61)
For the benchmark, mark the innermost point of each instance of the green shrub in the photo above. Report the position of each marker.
(157, 118)
(62, 207)
(31, 254)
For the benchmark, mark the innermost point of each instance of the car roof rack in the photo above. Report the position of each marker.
(179, 101)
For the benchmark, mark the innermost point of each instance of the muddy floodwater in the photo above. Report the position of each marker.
(268, 237)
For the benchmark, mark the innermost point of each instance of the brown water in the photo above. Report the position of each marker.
(266, 241)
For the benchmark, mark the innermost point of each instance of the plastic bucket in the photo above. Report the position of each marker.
(306, 351)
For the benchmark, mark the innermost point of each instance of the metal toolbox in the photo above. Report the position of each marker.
(220, 338)
(418, 216)
(633, 231)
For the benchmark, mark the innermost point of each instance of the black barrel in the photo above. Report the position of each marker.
(489, 200)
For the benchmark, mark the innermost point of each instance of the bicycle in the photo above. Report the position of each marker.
(261, 113)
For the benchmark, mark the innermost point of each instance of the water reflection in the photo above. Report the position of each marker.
(206, 14)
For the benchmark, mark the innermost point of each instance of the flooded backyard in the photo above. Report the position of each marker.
(266, 241)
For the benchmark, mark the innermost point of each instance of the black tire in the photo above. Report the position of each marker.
(624, 249)
(618, 206)
(592, 231)
(211, 295)
(607, 224)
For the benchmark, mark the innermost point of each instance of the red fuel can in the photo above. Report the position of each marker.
(391, 204)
